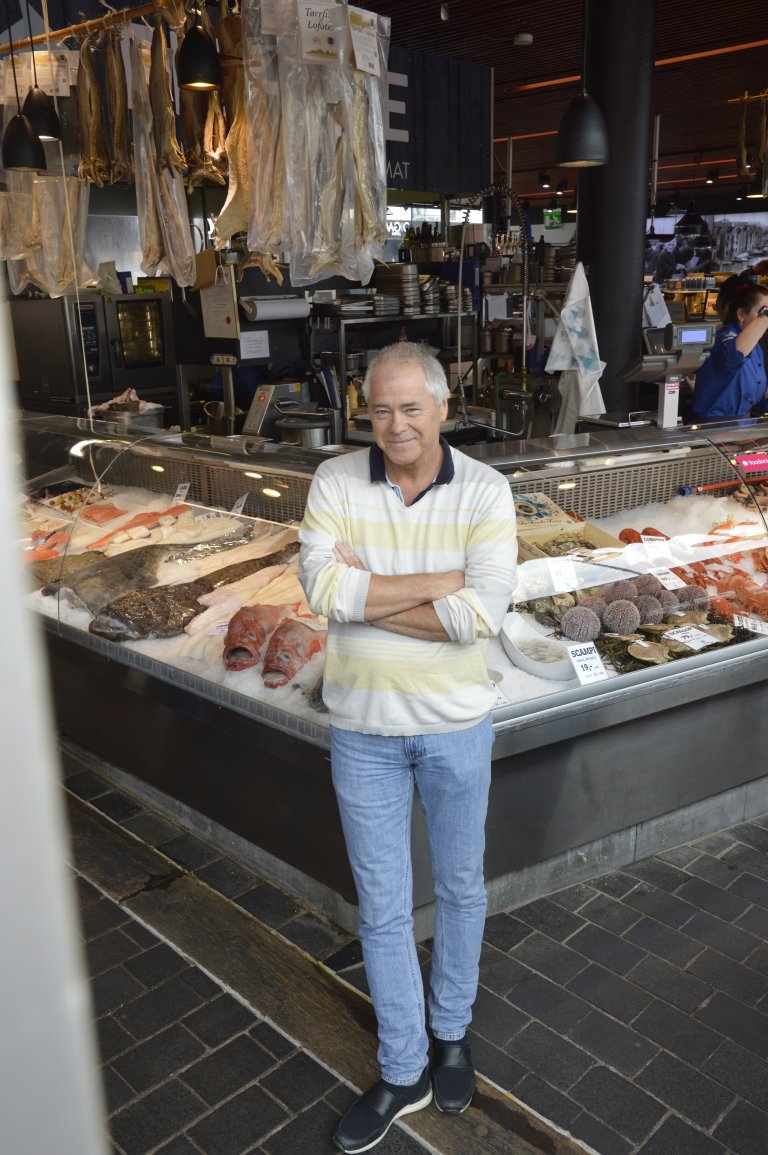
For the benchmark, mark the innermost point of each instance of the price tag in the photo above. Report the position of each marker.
(691, 637)
(219, 628)
(562, 574)
(669, 580)
(181, 493)
(210, 515)
(240, 504)
(587, 662)
(649, 538)
(362, 27)
(754, 625)
(501, 700)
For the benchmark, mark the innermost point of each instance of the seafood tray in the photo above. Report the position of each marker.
(68, 497)
(571, 539)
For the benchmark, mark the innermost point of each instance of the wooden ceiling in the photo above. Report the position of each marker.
(698, 128)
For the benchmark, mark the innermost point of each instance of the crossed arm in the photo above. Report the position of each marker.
(403, 604)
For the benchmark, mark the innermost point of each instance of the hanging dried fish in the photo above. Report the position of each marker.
(150, 233)
(331, 182)
(94, 153)
(214, 137)
(169, 154)
(233, 217)
(121, 167)
(266, 150)
(371, 185)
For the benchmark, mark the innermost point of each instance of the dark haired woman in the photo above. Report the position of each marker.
(731, 382)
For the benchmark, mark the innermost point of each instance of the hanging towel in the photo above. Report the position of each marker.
(575, 355)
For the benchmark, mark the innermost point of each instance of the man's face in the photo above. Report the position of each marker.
(404, 417)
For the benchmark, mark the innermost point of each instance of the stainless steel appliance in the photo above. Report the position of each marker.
(270, 403)
(57, 343)
(141, 345)
(115, 342)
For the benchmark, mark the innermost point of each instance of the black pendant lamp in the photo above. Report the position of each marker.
(22, 148)
(197, 62)
(38, 107)
(582, 139)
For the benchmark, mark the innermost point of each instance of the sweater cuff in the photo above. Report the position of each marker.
(361, 580)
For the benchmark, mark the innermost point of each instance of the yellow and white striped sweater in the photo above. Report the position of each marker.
(378, 682)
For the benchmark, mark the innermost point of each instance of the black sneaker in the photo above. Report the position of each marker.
(368, 1120)
(453, 1075)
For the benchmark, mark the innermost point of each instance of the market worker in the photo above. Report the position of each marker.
(732, 381)
(409, 549)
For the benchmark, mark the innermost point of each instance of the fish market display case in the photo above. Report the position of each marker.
(630, 669)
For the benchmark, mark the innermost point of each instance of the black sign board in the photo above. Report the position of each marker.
(438, 125)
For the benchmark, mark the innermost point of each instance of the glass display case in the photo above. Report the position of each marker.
(633, 557)
(164, 569)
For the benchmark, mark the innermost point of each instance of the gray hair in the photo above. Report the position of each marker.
(406, 353)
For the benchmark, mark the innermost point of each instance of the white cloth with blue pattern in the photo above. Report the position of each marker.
(575, 355)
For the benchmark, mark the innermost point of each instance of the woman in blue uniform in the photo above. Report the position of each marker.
(732, 382)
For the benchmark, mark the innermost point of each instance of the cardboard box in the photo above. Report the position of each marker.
(536, 511)
(536, 543)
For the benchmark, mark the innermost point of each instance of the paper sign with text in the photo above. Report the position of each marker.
(691, 637)
(587, 662)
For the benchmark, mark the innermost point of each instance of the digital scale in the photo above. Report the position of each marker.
(269, 404)
(672, 351)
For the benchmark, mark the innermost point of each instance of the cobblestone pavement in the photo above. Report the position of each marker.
(630, 1010)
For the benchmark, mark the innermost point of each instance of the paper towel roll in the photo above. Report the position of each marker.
(279, 309)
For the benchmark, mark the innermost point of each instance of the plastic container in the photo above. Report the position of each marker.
(536, 653)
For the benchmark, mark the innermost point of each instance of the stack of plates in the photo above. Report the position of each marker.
(401, 281)
(450, 299)
(384, 305)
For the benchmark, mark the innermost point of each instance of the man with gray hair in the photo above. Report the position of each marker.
(409, 550)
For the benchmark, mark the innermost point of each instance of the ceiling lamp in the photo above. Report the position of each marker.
(445, 12)
(544, 181)
(562, 187)
(740, 193)
(691, 224)
(38, 106)
(197, 61)
(582, 139)
(712, 175)
(522, 39)
(21, 144)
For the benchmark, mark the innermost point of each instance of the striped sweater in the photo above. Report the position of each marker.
(378, 682)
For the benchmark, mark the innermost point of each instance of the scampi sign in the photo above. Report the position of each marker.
(438, 123)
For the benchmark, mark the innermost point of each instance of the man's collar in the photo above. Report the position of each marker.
(444, 474)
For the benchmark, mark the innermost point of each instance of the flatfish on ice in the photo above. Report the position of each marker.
(101, 583)
(164, 611)
(58, 569)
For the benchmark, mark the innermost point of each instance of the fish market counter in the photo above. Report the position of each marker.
(630, 669)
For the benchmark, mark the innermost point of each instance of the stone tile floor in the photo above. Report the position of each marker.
(631, 1010)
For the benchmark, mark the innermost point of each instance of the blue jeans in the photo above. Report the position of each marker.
(374, 778)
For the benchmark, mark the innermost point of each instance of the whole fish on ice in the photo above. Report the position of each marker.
(248, 632)
(97, 585)
(164, 611)
(290, 648)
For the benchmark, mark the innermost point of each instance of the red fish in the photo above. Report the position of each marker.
(247, 634)
(290, 648)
